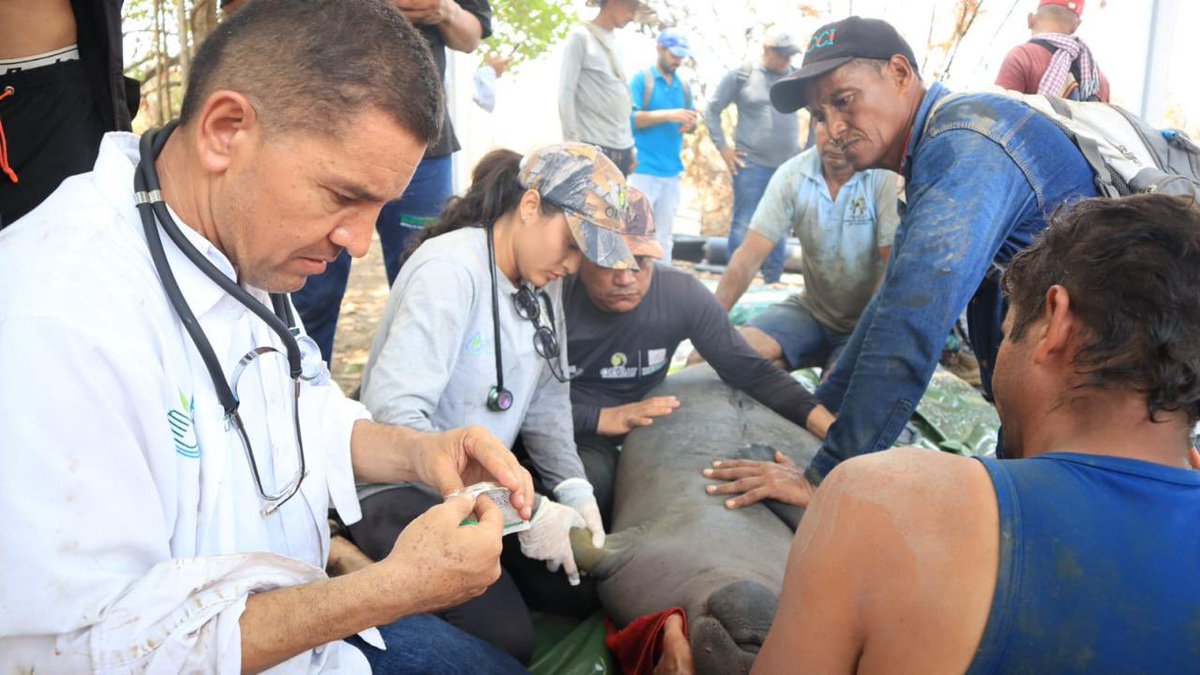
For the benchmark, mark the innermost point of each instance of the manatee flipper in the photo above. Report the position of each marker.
(789, 514)
(602, 563)
(727, 636)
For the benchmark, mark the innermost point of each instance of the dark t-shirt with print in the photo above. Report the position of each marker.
(480, 9)
(618, 357)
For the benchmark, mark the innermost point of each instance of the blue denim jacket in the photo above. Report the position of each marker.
(983, 173)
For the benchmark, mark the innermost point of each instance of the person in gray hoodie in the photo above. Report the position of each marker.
(471, 336)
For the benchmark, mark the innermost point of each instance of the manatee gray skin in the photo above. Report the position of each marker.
(674, 545)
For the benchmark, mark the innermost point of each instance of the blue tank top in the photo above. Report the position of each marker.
(1099, 567)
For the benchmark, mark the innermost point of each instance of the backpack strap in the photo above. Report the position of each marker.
(647, 87)
(1088, 147)
(613, 61)
(648, 90)
(1072, 91)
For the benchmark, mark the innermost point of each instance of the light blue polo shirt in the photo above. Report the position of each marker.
(658, 146)
(839, 239)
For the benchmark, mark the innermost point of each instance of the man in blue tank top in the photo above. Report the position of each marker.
(1080, 554)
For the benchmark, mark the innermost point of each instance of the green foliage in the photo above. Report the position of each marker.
(527, 28)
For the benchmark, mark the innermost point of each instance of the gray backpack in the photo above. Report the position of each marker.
(1127, 155)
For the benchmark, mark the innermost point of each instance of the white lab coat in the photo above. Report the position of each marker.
(133, 532)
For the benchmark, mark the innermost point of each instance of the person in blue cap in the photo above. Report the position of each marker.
(663, 111)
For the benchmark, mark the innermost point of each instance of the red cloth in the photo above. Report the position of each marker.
(1073, 5)
(638, 646)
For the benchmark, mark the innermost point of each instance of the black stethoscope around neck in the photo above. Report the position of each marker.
(303, 355)
(499, 399)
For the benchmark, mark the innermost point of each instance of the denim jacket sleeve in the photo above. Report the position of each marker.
(964, 196)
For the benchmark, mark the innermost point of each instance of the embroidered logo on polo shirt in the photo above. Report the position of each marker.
(618, 371)
(477, 344)
(183, 431)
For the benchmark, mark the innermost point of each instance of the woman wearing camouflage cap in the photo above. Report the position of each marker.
(473, 334)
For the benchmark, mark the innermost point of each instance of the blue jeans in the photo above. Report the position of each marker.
(320, 301)
(804, 340)
(749, 184)
(663, 195)
(425, 644)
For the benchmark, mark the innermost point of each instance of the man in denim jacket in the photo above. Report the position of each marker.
(982, 174)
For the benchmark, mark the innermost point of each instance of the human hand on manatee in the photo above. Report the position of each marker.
(437, 562)
(620, 420)
(754, 481)
(579, 494)
(549, 538)
(676, 656)
(450, 460)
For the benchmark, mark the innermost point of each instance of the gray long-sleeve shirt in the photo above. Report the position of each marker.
(768, 137)
(593, 98)
(433, 359)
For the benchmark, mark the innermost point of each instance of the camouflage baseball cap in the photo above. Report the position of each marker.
(639, 226)
(590, 190)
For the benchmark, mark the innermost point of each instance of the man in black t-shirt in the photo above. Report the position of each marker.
(455, 24)
(623, 327)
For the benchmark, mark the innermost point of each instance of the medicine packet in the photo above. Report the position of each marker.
(500, 495)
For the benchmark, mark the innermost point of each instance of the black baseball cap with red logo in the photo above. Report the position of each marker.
(833, 46)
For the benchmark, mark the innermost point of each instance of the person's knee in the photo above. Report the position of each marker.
(766, 346)
(600, 457)
(426, 643)
(499, 617)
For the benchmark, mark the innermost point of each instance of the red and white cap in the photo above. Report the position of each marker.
(1073, 5)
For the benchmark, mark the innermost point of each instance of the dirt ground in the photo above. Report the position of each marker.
(362, 308)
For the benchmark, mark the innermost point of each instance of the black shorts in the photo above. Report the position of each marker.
(53, 130)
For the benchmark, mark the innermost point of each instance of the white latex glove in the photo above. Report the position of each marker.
(577, 494)
(549, 538)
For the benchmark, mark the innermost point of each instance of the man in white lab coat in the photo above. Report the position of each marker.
(146, 530)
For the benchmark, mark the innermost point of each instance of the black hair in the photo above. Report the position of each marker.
(1131, 267)
(495, 190)
(310, 64)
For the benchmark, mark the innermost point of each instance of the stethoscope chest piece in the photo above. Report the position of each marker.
(499, 399)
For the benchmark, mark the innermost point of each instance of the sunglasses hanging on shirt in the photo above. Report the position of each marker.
(545, 339)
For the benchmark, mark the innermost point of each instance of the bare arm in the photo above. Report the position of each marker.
(650, 118)
(435, 564)
(383, 453)
(818, 622)
(884, 254)
(741, 269)
(279, 624)
(461, 30)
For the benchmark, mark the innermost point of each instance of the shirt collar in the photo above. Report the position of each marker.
(812, 169)
(935, 93)
(810, 165)
(114, 172)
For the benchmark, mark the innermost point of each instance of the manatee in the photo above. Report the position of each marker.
(674, 545)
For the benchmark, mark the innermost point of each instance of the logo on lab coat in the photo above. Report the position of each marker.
(182, 430)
